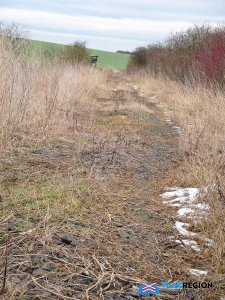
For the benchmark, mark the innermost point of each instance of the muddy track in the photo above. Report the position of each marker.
(120, 226)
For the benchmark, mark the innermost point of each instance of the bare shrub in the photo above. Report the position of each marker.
(40, 100)
(194, 56)
(16, 39)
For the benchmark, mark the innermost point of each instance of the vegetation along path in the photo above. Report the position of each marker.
(82, 217)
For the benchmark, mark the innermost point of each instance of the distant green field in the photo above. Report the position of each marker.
(107, 59)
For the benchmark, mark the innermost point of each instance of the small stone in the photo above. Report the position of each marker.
(46, 295)
(78, 223)
(190, 295)
(115, 286)
(56, 240)
(118, 224)
(86, 273)
(11, 226)
(31, 285)
(73, 243)
(24, 277)
(152, 216)
(110, 296)
(38, 272)
(133, 292)
(67, 239)
(16, 280)
(125, 235)
(49, 267)
(131, 265)
(27, 269)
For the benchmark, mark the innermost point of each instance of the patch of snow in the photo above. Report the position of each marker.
(180, 227)
(197, 272)
(189, 207)
(178, 128)
(114, 90)
(192, 244)
(178, 241)
(140, 94)
(185, 211)
(170, 112)
(178, 201)
(209, 242)
(153, 97)
(183, 195)
(202, 206)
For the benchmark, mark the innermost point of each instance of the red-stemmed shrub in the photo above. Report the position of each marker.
(195, 56)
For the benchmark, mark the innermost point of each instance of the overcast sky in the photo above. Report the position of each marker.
(109, 24)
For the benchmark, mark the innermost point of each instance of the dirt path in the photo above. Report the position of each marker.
(100, 188)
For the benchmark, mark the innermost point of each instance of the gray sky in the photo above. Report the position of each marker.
(109, 24)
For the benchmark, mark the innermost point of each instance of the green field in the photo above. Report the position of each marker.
(107, 59)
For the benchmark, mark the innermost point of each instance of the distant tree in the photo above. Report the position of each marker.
(16, 38)
(123, 52)
(76, 53)
(139, 57)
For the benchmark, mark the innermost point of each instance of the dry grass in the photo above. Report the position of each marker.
(70, 147)
(43, 102)
(80, 151)
(200, 113)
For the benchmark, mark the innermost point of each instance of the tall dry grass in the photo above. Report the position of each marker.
(200, 112)
(40, 100)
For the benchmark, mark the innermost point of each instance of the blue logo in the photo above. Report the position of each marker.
(175, 285)
(148, 289)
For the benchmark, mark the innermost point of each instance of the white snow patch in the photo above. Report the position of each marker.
(170, 123)
(185, 211)
(192, 244)
(178, 241)
(180, 227)
(167, 120)
(209, 242)
(187, 200)
(186, 194)
(178, 128)
(197, 272)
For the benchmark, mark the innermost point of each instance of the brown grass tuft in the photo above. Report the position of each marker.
(200, 113)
